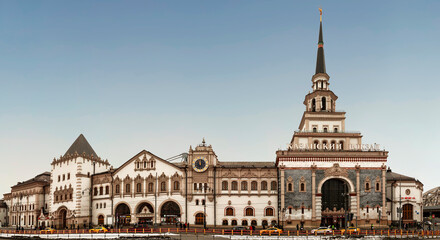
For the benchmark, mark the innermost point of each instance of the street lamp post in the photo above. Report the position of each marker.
(205, 189)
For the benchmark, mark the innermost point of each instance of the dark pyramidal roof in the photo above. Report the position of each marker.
(81, 146)
(320, 60)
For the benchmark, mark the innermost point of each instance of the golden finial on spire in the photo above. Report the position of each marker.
(320, 14)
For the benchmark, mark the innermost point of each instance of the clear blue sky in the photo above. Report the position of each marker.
(161, 75)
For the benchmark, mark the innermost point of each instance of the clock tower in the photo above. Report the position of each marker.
(201, 167)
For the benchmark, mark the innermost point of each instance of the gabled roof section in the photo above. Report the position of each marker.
(148, 153)
(80, 146)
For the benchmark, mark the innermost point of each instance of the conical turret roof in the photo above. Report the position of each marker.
(80, 146)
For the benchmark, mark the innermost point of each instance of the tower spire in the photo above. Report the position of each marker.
(320, 60)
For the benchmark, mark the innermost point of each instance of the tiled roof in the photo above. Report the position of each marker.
(392, 176)
(81, 146)
(43, 177)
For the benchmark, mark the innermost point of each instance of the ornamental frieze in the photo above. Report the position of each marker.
(336, 171)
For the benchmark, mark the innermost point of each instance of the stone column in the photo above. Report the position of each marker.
(358, 192)
(313, 167)
(384, 184)
(282, 187)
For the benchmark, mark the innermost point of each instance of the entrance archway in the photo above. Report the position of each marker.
(170, 212)
(145, 214)
(62, 217)
(123, 214)
(407, 212)
(100, 220)
(200, 219)
(334, 202)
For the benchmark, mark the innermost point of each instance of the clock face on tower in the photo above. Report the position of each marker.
(200, 164)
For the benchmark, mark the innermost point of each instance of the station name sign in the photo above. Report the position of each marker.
(335, 146)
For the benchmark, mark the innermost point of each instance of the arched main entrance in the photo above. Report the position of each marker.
(62, 218)
(170, 212)
(200, 219)
(123, 215)
(145, 214)
(334, 202)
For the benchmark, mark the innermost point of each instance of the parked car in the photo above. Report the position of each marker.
(47, 230)
(351, 230)
(239, 228)
(271, 230)
(99, 229)
(321, 230)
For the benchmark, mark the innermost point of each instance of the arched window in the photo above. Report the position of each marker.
(145, 164)
(195, 186)
(316, 144)
(273, 185)
(225, 222)
(264, 223)
(269, 211)
(254, 223)
(324, 143)
(313, 105)
(302, 187)
(254, 185)
(127, 188)
(264, 185)
(333, 145)
(95, 191)
(367, 186)
(244, 186)
(107, 190)
(138, 187)
(197, 201)
(225, 185)
(324, 102)
(234, 186)
(163, 186)
(118, 188)
(377, 187)
(150, 187)
(341, 145)
(244, 222)
(234, 222)
(249, 211)
(290, 187)
(229, 211)
(176, 186)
